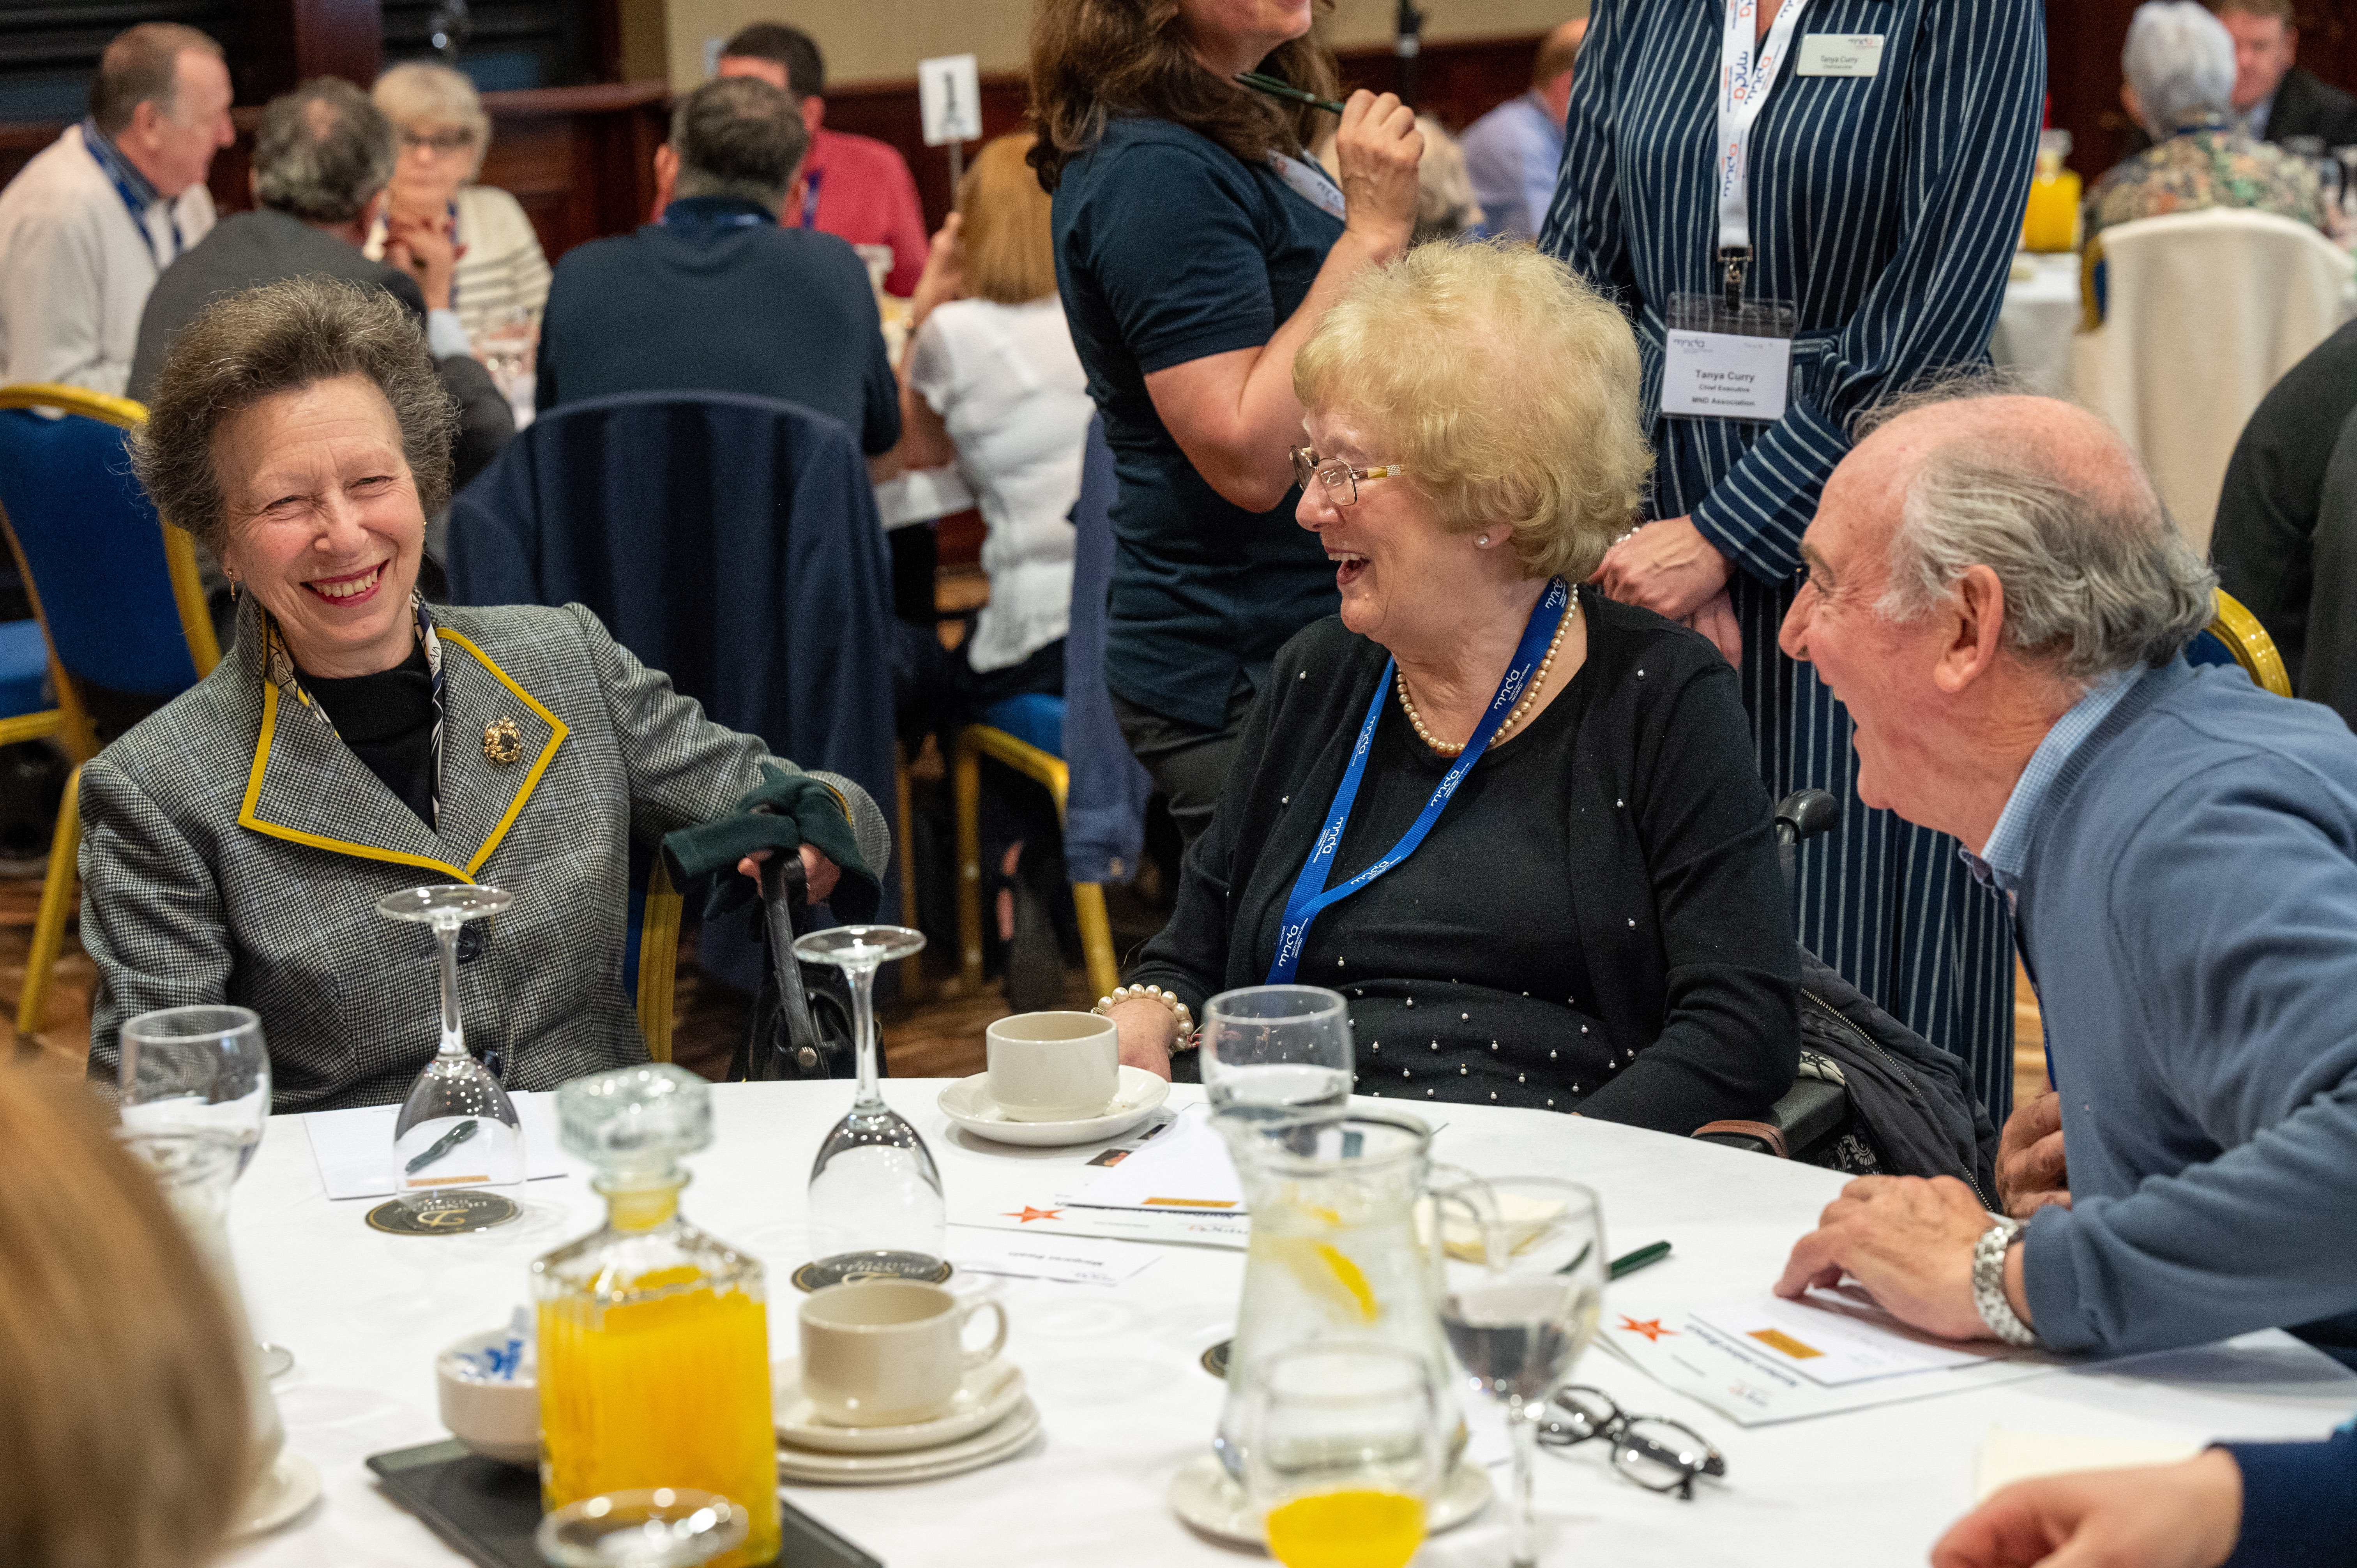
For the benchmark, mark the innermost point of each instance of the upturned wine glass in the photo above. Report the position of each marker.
(201, 1068)
(876, 1204)
(1523, 1273)
(457, 1129)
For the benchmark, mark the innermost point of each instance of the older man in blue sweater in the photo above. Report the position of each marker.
(1997, 597)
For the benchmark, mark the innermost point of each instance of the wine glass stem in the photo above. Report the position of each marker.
(454, 1039)
(863, 1034)
(1523, 1428)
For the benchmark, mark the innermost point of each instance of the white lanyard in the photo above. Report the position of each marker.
(1746, 72)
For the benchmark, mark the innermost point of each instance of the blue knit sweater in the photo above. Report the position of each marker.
(2189, 913)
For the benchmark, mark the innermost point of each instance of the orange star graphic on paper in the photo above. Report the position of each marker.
(1651, 1329)
(1029, 1213)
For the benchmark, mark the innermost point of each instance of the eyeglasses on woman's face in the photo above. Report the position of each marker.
(1659, 1454)
(441, 143)
(1340, 479)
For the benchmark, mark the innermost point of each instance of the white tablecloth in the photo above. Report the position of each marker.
(2035, 324)
(1115, 1372)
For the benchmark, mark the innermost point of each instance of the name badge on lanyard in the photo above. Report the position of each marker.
(1307, 181)
(1724, 356)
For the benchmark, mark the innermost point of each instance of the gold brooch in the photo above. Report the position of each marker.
(502, 742)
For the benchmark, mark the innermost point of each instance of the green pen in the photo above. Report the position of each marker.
(1630, 1263)
(441, 1146)
(1276, 88)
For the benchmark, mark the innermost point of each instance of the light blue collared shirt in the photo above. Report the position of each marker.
(2003, 859)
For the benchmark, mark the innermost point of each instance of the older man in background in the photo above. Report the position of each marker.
(716, 296)
(856, 188)
(322, 158)
(1997, 598)
(2274, 97)
(1514, 151)
(87, 226)
(2179, 64)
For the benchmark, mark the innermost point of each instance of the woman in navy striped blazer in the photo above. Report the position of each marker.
(1884, 207)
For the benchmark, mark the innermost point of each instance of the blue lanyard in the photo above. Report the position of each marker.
(1307, 901)
(810, 197)
(103, 151)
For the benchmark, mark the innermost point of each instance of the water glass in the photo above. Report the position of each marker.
(1343, 1449)
(1272, 1050)
(1523, 1273)
(656, 1527)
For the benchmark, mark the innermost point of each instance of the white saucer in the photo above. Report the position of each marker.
(285, 1490)
(968, 1103)
(1203, 1494)
(984, 1447)
(989, 1393)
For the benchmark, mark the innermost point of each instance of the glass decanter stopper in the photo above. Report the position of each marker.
(875, 1193)
(654, 1339)
(457, 1129)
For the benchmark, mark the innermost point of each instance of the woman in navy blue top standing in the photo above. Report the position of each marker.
(1196, 247)
(1849, 175)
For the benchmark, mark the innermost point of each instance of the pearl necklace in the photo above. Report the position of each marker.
(1538, 684)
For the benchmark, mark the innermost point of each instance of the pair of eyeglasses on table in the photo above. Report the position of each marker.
(1658, 1453)
(1340, 479)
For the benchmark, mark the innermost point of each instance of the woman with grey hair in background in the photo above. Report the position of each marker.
(502, 275)
(2180, 67)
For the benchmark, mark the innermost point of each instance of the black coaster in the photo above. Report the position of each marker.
(874, 1266)
(1215, 1360)
(444, 1214)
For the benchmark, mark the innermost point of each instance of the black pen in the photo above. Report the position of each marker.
(1630, 1263)
(1276, 88)
(441, 1146)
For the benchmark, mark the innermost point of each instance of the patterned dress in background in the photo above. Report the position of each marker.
(1886, 210)
(2206, 163)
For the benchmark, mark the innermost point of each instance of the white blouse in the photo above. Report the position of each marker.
(1006, 381)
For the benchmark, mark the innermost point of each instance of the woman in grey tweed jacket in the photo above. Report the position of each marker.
(235, 844)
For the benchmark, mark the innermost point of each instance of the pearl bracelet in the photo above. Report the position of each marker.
(1179, 1010)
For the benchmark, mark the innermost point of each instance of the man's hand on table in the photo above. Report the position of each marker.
(2168, 1516)
(2030, 1170)
(1910, 1243)
(818, 872)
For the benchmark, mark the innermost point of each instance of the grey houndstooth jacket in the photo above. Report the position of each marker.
(233, 849)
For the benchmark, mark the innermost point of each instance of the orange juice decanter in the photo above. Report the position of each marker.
(654, 1343)
(2050, 225)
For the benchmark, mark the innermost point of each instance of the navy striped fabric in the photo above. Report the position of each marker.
(1885, 211)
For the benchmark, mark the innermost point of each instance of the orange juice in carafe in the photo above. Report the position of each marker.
(654, 1346)
(2050, 223)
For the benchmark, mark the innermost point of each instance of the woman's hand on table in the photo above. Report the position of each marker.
(1147, 1030)
(2167, 1516)
(1377, 148)
(1910, 1243)
(818, 872)
(2031, 1169)
(1667, 567)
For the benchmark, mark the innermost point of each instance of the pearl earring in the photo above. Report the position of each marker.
(1483, 541)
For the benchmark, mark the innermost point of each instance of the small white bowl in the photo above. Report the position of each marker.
(497, 1420)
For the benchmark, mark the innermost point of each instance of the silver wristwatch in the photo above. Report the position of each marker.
(1989, 1284)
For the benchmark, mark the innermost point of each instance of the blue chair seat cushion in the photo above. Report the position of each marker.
(24, 668)
(2208, 647)
(1036, 717)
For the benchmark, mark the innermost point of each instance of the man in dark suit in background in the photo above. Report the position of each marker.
(2275, 98)
(716, 296)
(322, 158)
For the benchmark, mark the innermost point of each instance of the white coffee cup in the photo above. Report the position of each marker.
(889, 1352)
(1053, 1067)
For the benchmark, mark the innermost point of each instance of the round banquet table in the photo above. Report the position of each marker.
(1114, 1368)
(2035, 325)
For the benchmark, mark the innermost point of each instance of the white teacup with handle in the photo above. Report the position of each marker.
(1053, 1067)
(880, 1352)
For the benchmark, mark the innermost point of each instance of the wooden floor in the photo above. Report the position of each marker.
(940, 1037)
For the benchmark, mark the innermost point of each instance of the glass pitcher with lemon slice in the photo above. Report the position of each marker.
(654, 1342)
(1336, 1254)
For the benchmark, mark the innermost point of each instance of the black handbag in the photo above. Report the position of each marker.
(801, 1027)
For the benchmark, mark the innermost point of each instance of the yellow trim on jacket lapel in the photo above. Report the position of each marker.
(456, 733)
(249, 814)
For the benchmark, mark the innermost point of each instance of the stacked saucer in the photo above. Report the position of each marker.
(989, 1420)
(968, 1102)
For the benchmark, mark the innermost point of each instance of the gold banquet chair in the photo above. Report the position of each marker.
(115, 591)
(658, 959)
(974, 743)
(2235, 637)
